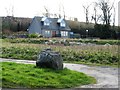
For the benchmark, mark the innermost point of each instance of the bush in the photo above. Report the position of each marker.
(27, 40)
(62, 41)
(3, 36)
(34, 35)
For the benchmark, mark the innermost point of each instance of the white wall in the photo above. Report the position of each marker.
(35, 27)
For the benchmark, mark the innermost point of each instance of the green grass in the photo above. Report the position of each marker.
(28, 76)
(0, 75)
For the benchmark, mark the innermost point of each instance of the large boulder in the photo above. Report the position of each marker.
(49, 59)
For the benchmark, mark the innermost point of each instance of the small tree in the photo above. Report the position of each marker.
(96, 17)
(47, 12)
(105, 29)
(106, 11)
(86, 10)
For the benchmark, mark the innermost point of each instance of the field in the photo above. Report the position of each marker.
(87, 51)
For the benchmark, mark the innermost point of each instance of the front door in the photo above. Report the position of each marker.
(53, 33)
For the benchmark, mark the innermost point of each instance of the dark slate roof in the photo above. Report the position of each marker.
(53, 24)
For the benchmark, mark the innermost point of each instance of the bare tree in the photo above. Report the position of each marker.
(86, 9)
(114, 14)
(60, 11)
(96, 17)
(47, 12)
(56, 15)
(7, 11)
(10, 17)
(10, 11)
(106, 11)
(63, 11)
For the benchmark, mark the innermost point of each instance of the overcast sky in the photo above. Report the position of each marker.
(31, 8)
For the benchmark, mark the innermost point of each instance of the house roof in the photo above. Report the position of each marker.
(43, 19)
(54, 25)
(59, 20)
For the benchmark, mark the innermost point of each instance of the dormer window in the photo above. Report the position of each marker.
(45, 21)
(61, 22)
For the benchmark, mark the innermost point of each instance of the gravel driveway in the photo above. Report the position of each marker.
(107, 77)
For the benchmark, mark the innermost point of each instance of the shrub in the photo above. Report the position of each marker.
(34, 38)
(34, 35)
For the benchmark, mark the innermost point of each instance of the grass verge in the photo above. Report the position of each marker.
(28, 76)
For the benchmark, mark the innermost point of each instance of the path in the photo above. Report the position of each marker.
(107, 77)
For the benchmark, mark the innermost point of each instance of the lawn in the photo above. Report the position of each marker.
(29, 76)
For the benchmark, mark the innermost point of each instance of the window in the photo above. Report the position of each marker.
(64, 33)
(47, 32)
(46, 23)
(62, 24)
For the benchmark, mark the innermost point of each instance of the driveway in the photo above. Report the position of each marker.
(107, 77)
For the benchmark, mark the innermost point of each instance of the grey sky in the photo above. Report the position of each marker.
(119, 14)
(31, 8)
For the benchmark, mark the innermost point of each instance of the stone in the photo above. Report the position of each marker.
(49, 59)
